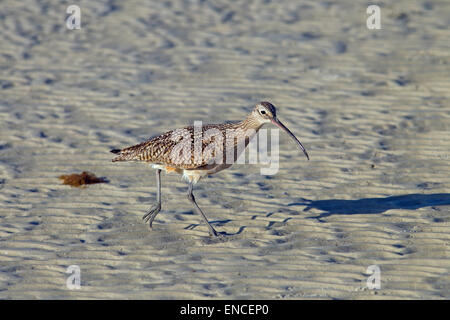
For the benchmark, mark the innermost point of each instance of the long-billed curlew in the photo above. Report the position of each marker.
(197, 151)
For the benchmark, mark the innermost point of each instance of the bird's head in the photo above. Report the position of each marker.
(265, 112)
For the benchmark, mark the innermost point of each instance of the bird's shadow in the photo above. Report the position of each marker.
(373, 205)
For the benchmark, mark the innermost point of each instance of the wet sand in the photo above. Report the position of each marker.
(371, 106)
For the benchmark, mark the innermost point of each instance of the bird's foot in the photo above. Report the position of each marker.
(150, 216)
(215, 234)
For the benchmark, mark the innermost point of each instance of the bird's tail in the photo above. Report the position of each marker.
(127, 154)
(116, 151)
(133, 153)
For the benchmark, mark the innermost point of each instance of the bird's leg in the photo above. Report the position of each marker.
(200, 212)
(150, 216)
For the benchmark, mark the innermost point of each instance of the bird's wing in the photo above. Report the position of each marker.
(185, 148)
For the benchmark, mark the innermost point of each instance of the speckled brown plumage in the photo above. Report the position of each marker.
(197, 147)
(161, 149)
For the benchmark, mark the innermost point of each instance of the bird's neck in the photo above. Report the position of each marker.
(251, 123)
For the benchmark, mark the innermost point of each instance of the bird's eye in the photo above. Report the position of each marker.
(262, 111)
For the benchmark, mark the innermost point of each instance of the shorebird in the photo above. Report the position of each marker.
(197, 151)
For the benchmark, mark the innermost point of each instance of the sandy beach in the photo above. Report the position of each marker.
(372, 107)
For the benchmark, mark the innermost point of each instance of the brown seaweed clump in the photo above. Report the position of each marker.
(80, 180)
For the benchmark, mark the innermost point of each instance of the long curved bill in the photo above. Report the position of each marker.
(278, 123)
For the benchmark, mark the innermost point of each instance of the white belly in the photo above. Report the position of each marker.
(193, 175)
